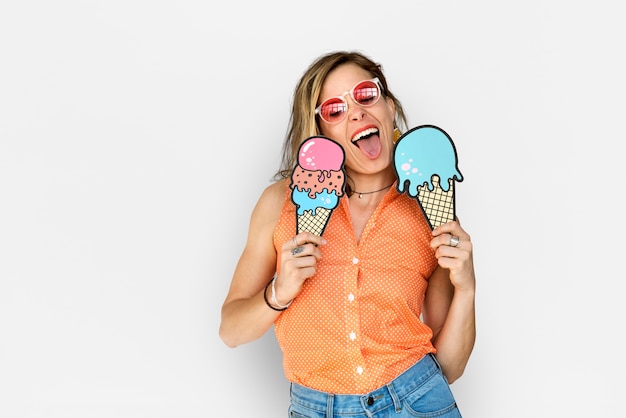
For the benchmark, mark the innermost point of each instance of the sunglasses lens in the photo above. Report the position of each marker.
(333, 110)
(366, 93)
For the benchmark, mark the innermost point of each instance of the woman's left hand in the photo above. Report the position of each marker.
(453, 249)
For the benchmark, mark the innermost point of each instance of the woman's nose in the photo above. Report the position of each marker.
(355, 112)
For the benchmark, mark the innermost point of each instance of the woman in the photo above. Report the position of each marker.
(376, 317)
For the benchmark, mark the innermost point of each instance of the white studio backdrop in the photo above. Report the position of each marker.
(136, 137)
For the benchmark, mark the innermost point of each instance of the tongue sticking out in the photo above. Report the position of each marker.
(370, 146)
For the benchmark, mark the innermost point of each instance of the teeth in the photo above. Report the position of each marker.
(364, 133)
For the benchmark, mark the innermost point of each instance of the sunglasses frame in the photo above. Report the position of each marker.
(350, 92)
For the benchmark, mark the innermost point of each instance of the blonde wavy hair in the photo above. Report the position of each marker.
(303, 122)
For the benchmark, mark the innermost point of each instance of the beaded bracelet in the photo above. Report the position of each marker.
(267, 302)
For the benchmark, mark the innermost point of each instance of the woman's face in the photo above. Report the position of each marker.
(366, 133)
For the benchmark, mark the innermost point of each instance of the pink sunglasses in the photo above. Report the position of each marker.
(365, 93)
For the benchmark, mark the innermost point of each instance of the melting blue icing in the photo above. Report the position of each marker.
(323, 199)
(422, 153)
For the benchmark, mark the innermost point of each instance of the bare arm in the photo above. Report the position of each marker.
(245, 315)
(449, 307)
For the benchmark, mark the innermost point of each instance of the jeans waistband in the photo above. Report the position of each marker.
(381, 398)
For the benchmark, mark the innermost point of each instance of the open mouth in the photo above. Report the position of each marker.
(368, 142)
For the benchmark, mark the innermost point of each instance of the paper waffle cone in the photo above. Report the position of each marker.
(438, 205)
(314, 224)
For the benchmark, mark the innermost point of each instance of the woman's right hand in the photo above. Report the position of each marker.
(298, 261)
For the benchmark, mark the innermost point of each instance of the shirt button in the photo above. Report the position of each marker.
(353, 336)
(350, 297)
(355, 260)
(359, 370)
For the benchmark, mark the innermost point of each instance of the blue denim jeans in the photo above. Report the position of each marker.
(421, 391)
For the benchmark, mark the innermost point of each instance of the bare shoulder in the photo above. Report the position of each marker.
(269, 206)
(276, 191)
(272, 198)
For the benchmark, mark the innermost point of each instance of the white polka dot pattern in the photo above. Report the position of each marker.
(356, 324)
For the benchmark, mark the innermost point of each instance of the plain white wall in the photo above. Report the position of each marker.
(136, 137)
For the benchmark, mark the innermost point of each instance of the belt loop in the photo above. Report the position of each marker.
(394, 397)
(329, 405)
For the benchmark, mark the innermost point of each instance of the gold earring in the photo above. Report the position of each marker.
(396, 135)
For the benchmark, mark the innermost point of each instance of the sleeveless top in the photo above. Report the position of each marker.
(356, 324)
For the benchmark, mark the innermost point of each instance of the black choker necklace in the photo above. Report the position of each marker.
(375, 191)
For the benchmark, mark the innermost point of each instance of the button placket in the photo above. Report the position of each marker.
(353, 322)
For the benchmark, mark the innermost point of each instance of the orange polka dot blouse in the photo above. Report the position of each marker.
(356, 324)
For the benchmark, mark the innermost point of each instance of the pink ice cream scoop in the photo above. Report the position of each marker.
(319, 153)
